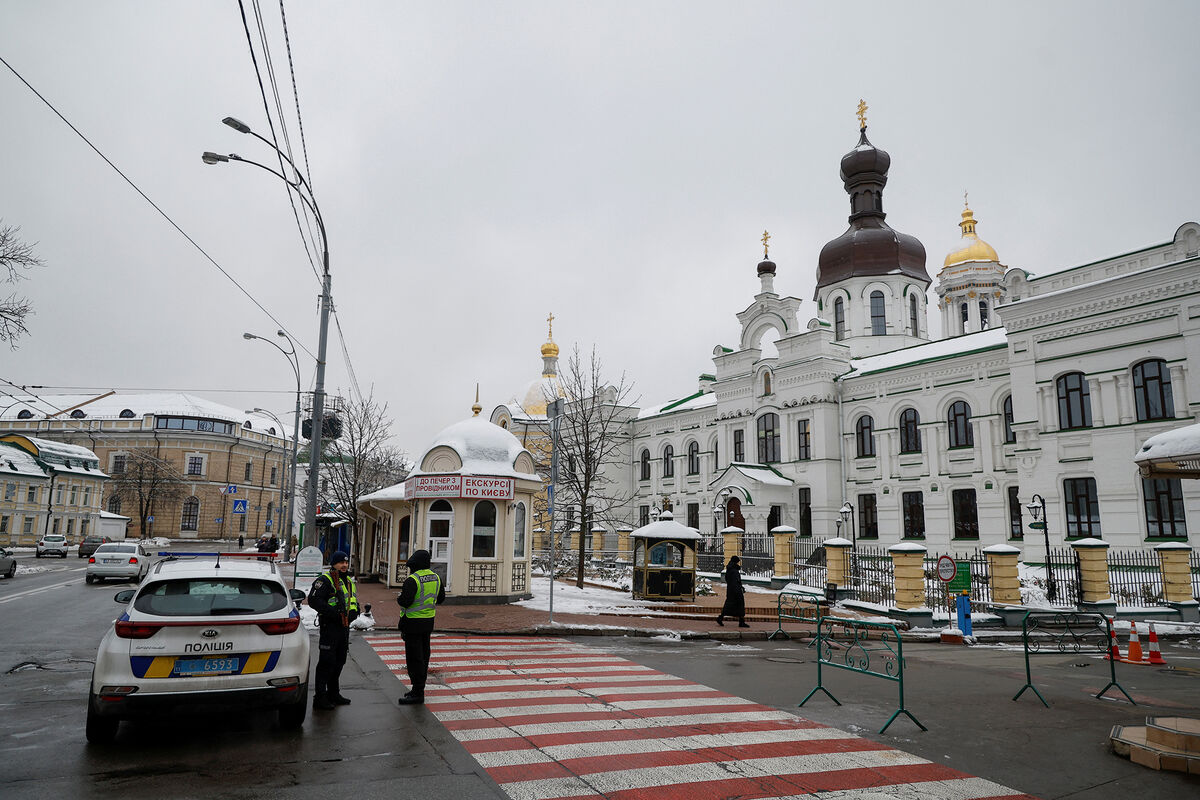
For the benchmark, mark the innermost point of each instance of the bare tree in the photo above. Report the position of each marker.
(592, 438)
(361, 461)
(147, 481)
(15, 258)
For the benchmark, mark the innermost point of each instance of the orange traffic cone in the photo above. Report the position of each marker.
(1114, 649)
(1156, 656)
(1134, 653)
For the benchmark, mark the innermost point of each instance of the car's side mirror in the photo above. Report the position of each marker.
(124, 596)
(297, 594)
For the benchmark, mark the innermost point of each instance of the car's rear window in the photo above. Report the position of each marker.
(117, 548)
(188, 597)
(53, 538)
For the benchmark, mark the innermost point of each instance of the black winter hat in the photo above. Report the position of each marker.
(338, 557)
(420, 559)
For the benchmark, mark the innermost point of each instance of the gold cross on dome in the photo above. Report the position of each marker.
(965, 200)
(766, 238)
(550, 322)
(862, 114)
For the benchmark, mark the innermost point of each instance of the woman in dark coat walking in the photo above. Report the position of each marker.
(735, 595)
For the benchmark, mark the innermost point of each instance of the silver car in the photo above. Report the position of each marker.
(123, 560)
(8, 564)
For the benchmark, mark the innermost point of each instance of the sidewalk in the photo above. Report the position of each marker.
(693, 620)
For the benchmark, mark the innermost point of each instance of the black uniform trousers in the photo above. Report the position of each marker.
(332, 645)
(416, 633)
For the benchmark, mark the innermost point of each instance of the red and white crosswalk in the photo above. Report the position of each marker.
(550, 718)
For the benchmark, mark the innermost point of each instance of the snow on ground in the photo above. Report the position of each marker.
(570, 599)
(30, 569)
(308, 618)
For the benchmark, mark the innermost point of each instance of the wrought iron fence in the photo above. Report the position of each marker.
(936, 594)
(1068, 584)
(1135, 578)
(758, 554)
(1194, 561)
(808, 563)
(871, 575)
(710, 553)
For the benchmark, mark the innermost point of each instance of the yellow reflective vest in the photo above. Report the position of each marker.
(428, 586)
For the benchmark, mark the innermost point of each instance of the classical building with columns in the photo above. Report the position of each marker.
(1043, 384)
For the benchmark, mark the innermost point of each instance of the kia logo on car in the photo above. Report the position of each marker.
(211, 633)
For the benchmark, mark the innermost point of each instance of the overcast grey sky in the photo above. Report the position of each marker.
(480, 165)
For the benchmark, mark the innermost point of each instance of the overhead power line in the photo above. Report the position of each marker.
(153, 205)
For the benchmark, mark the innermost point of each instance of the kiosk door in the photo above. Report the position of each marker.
(441, 525)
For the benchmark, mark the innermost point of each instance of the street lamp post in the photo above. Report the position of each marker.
(281, 533)
(294, 360)
(846, 512)
(304, 191)
(1037, 510)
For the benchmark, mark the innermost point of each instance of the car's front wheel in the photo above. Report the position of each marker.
(292, 716)
(100, 730)
(12, 571)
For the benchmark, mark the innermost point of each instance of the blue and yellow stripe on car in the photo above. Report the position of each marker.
(163, 666)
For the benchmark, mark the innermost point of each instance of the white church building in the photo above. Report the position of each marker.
(1041, 384)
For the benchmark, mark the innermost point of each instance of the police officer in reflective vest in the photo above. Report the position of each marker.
(421, 592)
(334, 599)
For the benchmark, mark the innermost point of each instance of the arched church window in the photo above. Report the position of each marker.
(878, 314)
(693, 458)
(669, 462)
(910, 431)
(959, 421)
(983, 315)
(913, 319)
(964, 315)
(1074, 401)
(1152, 390)
(839, 319)
(768, 438)
(1007, 409)
(645, 474)
(766, 383)
(864, 436)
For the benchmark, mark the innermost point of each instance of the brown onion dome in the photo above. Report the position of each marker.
(766, 267)
(869, 247)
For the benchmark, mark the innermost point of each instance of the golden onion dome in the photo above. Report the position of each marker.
(972, 248)
(549, 349)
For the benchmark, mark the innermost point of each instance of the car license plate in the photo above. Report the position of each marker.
(187, 667)
(112, 561)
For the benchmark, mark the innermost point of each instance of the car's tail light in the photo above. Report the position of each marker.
(133, 559)
(135, 630)
(280, 626)
(92, 560)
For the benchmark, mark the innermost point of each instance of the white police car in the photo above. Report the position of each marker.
(210, 630)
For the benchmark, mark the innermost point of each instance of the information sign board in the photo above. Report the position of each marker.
(961, 582)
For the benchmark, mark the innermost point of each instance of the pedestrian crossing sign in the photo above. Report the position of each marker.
(239, 506)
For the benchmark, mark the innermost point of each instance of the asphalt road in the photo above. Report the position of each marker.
(51, 623)
(50, 626)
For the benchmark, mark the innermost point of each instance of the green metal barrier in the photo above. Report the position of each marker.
(1068, 632)
(795, 606)
(882, 660)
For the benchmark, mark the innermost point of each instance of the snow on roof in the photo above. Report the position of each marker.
(161, 404)
(1174, 445)
(109, 515)
(666, 528)
(46, 447)
(761, 474)
(17, 461)
(690, 403)
(393, 492)
(933, 351)
(483, 448)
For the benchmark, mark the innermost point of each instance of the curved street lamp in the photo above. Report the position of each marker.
(1037, 510)
(301, 187)
(294, 361)
(846, 512)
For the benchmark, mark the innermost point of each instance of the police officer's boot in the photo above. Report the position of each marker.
(321, 702)
(338, 700)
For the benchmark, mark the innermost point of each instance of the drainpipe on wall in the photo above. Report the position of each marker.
(841, 433)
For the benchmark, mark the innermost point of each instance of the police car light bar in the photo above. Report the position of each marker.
(218, 555)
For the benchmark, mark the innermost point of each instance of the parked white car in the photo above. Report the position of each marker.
(52, 544)
(206, 631)
(126, 561)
